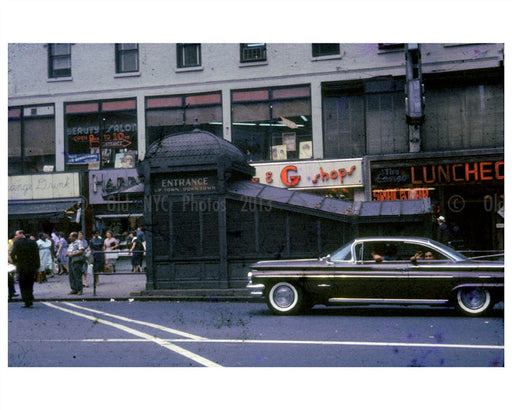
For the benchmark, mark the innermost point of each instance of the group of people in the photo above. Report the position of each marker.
(36, 260)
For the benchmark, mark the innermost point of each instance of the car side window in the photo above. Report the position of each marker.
(422, 254)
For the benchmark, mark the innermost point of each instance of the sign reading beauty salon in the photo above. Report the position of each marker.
(44, 186)
(311, 174)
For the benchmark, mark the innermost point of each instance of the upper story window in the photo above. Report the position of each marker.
(188, 55)
(325, 49)
(250, 52)
(59, 60)
(391, 46)
(127, 58)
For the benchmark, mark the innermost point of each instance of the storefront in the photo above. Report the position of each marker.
(43, 202)
(101, 134)
(119, 214)
(341, 179)
(465, 187)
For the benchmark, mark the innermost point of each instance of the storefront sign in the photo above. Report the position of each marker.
(47, 186)
(185, 184)
(311, 174)
(399, 194)
(107, 181)
(439, 174)
(82, 158)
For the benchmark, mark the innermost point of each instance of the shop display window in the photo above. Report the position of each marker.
(101, 134)
(168, 115)
(273, 124)
(31, 136)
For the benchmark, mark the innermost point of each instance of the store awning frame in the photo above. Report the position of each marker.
(41, 209)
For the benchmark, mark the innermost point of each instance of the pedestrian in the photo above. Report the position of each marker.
(443, 230)
(11, 271)
(96, 245)
(137, 251)
(45, 255)
(25, 255)
(75, 253)
(109, 247)
(84, 267)
(62, 250)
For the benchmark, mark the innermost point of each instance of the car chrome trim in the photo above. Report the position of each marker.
(391, 301)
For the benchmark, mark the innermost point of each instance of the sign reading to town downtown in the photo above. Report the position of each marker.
(193, 183)
(311, 174)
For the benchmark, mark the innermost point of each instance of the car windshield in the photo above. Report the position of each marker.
(343, 254)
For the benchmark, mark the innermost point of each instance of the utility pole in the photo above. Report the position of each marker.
(414, 95)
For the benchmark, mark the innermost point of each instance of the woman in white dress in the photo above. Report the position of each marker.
(110, 244)
(45, 255)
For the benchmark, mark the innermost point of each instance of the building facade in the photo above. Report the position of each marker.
(354, 121)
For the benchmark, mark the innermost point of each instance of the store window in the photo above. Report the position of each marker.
(253, 52)
(273, 123)
(101, 134)
(364, 118)
(59, 60)
(168, 115)
(188, 55)
(31, 136)
(325, 49)
(127, 58)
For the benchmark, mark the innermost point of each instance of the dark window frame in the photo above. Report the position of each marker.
(253, 52)
(122, 52)
(22, 118)
(182, 54)
(54, 55)
(325, 49)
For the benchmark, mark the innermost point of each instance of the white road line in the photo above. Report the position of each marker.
(164, 343)
(139, 322)
(290, 342)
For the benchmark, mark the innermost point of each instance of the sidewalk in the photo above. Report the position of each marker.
(126, 287)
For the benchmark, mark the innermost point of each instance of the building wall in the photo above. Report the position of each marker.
(464, 90)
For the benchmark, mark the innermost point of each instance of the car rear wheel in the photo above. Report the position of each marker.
(473, 301)
(285, 298)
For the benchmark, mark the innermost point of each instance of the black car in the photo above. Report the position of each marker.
(398, 270)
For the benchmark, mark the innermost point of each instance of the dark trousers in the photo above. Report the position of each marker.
(75, 276)
(26, 281)
(12, 290)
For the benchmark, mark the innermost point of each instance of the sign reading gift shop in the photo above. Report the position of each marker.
(44, 186)
(311, 174)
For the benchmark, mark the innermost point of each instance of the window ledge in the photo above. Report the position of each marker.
(188, 69)
(123, 75)
(324, 58)
(253, 64)
(59, 79)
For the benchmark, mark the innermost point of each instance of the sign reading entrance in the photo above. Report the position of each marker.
(185, 184)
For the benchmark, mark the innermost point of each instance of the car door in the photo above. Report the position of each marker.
(430, 278)
(367, 279)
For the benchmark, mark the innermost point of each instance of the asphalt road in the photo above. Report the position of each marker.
(200, 334)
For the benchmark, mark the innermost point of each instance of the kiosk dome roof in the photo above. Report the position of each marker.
(193, 147)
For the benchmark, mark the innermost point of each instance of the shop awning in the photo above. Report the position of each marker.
(40, 209)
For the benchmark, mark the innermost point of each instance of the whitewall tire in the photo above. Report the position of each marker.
(473, 301)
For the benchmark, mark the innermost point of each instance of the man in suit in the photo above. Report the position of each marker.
(25, 255)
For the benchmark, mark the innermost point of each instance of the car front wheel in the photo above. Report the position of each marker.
(285, 298)
(473, 301)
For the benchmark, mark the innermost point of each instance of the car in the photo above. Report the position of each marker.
(381, 270)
